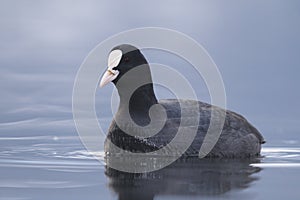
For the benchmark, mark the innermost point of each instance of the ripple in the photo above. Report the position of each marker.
(276, 165)
(46, 158)
(279, 157)
(71, 157)
(41, 184)
(280, 150)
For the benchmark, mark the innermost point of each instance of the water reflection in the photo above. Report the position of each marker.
(186, 177)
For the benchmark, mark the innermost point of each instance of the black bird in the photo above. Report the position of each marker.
(130, 72)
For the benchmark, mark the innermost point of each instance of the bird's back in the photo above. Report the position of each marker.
(237, 139)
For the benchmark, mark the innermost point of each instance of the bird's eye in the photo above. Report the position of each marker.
(126, 59)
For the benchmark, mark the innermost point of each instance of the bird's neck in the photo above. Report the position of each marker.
(139, 103)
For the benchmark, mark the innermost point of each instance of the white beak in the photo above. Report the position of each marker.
(114, 59)
(108, 76)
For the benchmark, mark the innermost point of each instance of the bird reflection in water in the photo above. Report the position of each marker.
(184, 177)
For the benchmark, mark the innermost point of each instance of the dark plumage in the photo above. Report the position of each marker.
(238, 138)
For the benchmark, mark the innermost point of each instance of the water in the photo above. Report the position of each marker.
(46, 167)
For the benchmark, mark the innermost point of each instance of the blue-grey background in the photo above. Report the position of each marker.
(255, 44)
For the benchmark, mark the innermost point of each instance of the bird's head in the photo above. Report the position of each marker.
(121, 59)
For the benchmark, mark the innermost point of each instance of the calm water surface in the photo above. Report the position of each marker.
(47, 167)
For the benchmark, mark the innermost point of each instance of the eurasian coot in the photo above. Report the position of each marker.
(237, 139)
